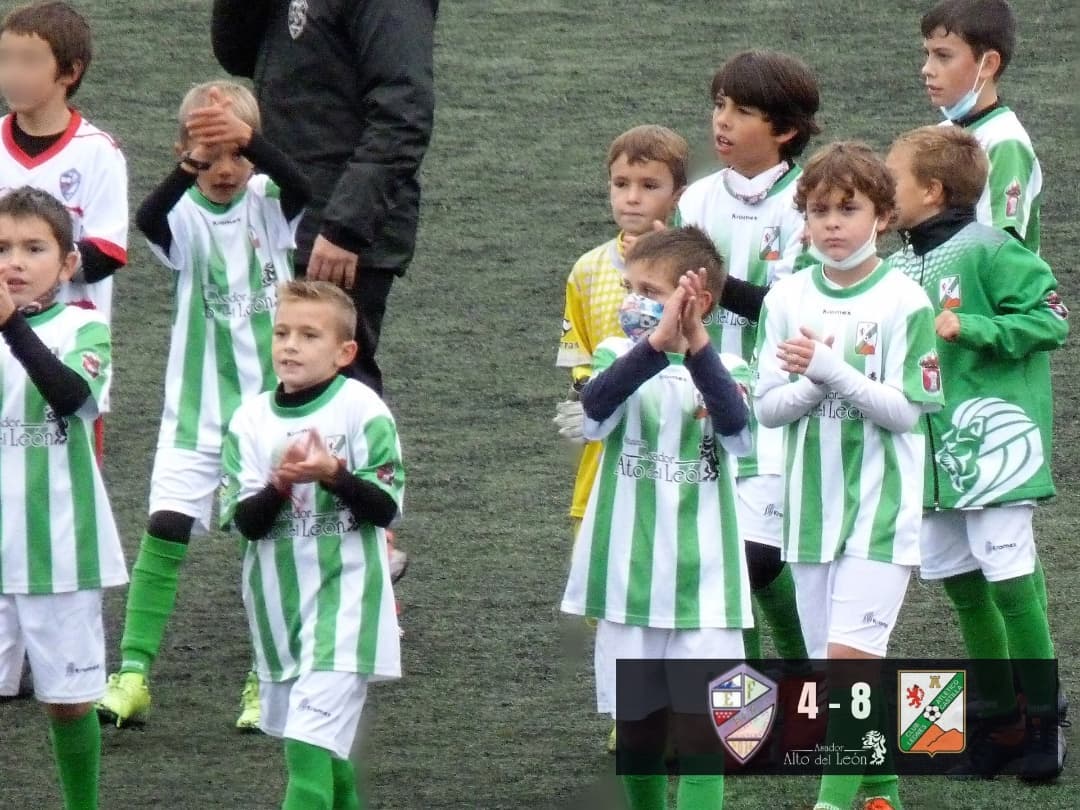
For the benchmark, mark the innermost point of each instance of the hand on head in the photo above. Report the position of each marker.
(216, 123)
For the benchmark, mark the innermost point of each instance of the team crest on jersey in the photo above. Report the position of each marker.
(866, 338)
(386, 474)
(1013, 192)
(335, 445)
(949, 292)
(91, 363)
(565, 325)
(992, 448)
(297, 17)
(931, 372)
(69, 183)
(770, 244)
(1056, 305)
(742, 707)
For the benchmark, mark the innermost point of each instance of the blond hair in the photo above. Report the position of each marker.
(244, 104)
(323, 292)
(950, 155)
(652, 142)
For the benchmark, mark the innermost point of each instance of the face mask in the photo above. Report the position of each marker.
(639, 315)
(43, 302)
(966, 103)
(857, 257)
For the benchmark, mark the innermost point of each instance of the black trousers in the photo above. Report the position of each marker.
(369, 294)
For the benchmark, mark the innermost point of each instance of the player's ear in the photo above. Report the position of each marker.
(991, 64)
(935, 192)
(346, 354)
(72, 76)
(69, 265)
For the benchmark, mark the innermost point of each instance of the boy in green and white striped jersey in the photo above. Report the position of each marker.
(224, 220)
(658, 559)
(846, 360)
(58, 541)
(313, 476)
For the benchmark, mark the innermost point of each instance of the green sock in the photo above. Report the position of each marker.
(1040, 585)
(843, 732)
(886, 786)
(1028, 634)
(777, 603)
(346, 786)
(311, 777)
(150, 601)
(700, 793)
(751, 636)
(645, 792)
(77, 748)
(985, 640)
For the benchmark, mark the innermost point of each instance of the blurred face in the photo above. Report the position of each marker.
(307, 347)
(641, 192)
(743, 137)
(227, 176)
(839, 226)
(914, 201)
(951, 68)
(31, 262)
(29, 79)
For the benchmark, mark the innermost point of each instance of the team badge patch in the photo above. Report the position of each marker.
(385, 474)
(770, 244)
(866, 338)
(931, 372)
(742, 705)
(297, 17)
(932, 711)
(91, 363)
(335, 445)
(1013, 192)
(949, 292)
(69, 183)
(1056, 305)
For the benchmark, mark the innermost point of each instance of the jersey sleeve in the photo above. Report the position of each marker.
(282, 230)
(574, 348)
(381, 463)
(240, 475)
(766, 373)
(90, 356)
(911, 353)
(1029, 314)
(105, 209)
(1011, 185)
(178, 255)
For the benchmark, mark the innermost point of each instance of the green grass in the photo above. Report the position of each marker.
(496, 709)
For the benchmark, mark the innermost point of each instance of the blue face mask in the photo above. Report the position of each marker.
(639, 315)
(966, 103)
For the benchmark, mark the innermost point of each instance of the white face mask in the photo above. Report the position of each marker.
(966, 103)
(854, 259)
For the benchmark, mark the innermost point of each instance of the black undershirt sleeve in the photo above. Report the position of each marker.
(152, 218)
(255, 516)
(96, 265)
(367, 502)
(283, 170)
(604, 393)
(723, 397)
(743, 298)
(63, 388)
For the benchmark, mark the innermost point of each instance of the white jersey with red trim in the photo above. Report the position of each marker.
(87, 172)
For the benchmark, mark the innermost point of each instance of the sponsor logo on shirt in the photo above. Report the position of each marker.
(306, 706)
(871, 620)
(833, 407)
(307, 523)
(69, 183)
(221, 305)
(656, 466)
(50, 433)
(724, 317)
(73, 669)
(991, 548)
(772, 510)
(232, 221)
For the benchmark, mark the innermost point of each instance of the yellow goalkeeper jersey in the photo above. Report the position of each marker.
(594, 291)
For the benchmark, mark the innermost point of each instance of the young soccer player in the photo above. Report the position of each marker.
(968, 45)
(658, 560)
(227, 231)
(763, 116)
(45, 51)
(58, 542)
(846, 361)
(313, 476)
(999, 314)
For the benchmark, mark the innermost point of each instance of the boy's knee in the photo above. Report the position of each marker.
(67, 712)
(171, 526)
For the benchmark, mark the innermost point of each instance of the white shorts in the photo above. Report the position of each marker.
(850, 601)
(185, 481)
(319, 708)
(623, 641)
(63, 636)
(761, 508)
(997, 540)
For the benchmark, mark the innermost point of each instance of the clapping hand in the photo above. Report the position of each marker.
(796, 353)
(694, 308)
(306, 460)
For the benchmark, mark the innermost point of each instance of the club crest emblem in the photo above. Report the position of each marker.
(69, 183)
(931, 372)
(385, 474)
(742, 706)
(932, 709)
(297, 17)
(949, 292)
(866, 338)
(91, 364)
(1013, 192)
(770, 244)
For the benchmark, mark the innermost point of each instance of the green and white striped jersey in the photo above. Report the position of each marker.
(852, 487)
(761, 244)
(228, 261)
(317, 588)
(56, 526)
(1013, 194)
(659, 545)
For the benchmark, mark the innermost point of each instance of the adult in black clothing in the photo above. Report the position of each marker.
(346, 89)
